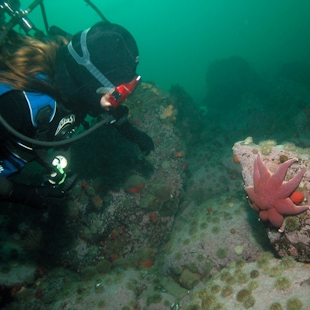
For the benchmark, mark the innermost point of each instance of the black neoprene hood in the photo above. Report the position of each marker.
(113, 51)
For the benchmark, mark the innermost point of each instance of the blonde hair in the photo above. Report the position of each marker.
(23, 58)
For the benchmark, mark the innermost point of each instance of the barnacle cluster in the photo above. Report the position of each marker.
(266, 146)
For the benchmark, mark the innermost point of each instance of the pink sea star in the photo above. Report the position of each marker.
(270, 194)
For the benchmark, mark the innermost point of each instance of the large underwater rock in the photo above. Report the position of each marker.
(125, 201)
(228, 79)
(268, 283)
(210, 236)
(295, 240)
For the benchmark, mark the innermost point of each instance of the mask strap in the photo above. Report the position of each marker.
(86, 62)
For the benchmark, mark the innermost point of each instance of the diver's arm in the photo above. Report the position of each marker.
(5, 187)
(36, 197)
(131, 133)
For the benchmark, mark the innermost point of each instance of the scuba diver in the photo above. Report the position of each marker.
(47, 88)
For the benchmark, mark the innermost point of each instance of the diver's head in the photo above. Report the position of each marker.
(102, 60)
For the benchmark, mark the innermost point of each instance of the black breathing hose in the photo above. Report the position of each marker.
(24, 138)
(44, 17)
(33, 5)
(96, 10)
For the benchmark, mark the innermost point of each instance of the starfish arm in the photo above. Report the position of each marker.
(275, 218)
(263, 215)
(254, 206)
(251, 192)
(252, 197)
(256, 176)
(263, 172)
(287, 207)
(277, 178)
(287, 188)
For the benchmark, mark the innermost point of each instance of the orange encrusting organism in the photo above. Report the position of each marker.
(297, 197)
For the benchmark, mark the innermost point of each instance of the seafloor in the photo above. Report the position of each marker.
(172, 230)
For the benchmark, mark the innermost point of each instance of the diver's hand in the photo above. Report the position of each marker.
(139, 137)
(37, 197)
(144, 142)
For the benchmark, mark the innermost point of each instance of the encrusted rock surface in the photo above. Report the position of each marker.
(210, 236)
(266, 284)
(295, 240)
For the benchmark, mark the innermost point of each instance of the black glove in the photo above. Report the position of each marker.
(36, 197)
(139, 137)
(144, 142)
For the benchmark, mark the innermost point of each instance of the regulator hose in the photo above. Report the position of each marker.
(104, 121)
